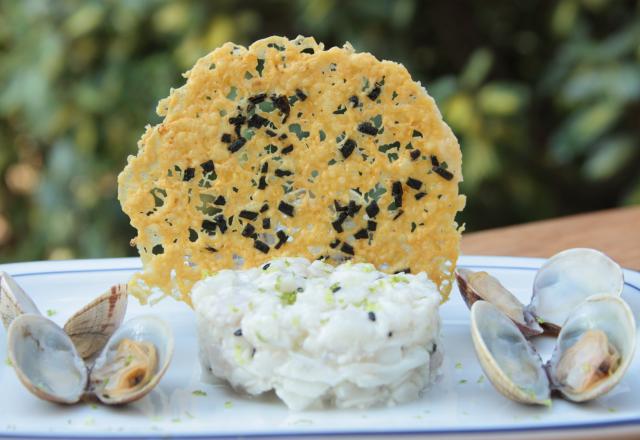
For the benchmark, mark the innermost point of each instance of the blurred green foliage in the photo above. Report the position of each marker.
(544, 97)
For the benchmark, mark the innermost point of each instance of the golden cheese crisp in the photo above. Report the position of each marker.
(287, 149)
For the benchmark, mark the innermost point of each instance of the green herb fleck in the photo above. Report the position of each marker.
(260, 66)
(540, 320)
(228, 404)
(459, 365)
(299, 132)
(128, 361)
(248, 134)
(237, 354)
(375, 193)
(199, 393)
(51, 312)
(233, 93)
(386, 147)
(480, 379)
(329, 299)
(462, 381)
(288, 298)
(266, 106)
(401, 279)
(8, 362)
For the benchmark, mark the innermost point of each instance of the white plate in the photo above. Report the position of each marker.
(461, 404)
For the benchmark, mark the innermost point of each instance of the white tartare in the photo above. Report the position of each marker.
(318, 335)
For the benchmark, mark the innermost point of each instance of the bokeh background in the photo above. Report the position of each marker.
(544, 97)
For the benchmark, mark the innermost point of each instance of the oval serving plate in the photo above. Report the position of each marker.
(462, 404)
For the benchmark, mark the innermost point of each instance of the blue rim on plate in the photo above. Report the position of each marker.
(623, 422)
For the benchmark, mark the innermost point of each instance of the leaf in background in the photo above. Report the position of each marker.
(479, 162)
(611, 156)
(459, 112)
(583, 128)
(564, 17)
(633, 196)
(477, 68)
(84, 20)
(615, 82)
(502, 99)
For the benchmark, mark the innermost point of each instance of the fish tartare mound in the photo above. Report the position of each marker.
(319, 335)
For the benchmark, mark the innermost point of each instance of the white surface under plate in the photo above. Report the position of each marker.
(461, 404)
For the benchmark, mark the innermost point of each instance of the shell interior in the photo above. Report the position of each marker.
(142, 329)
(507, 358)
(45, 359)
(610, 315)
(571, 276)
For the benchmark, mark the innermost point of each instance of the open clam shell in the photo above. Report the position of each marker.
(133, 361)
(567, 279)
(475, 286)
(14, 301)
(594, 348)
(593, 352)
(45, 359)
(91, 327)
(507, 358)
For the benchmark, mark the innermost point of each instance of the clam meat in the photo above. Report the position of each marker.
(590, 360)
(594, 348)
(133, 361)
(131, 369)
(476, 286)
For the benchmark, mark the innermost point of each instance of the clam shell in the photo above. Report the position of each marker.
(475, 286)
(506, 357)
(609, 314)
(45, 359)
(567, 279)
(145, 328)
(91, 327)
(13, 300)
